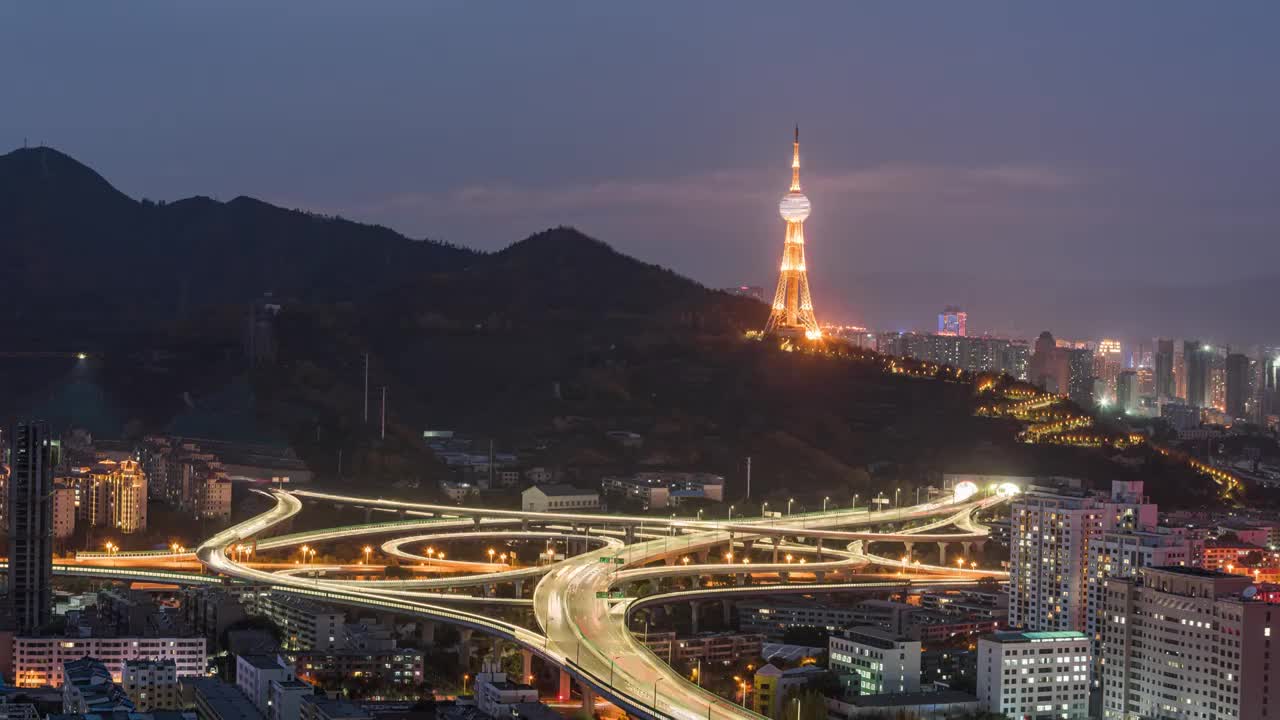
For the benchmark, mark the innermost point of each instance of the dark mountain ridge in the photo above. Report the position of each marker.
(84, 257)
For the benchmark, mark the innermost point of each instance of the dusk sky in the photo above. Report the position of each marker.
(1089, 168)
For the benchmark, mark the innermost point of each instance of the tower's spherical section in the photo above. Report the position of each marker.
(794, 207)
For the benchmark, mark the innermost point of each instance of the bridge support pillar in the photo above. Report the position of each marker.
(968, 549)
(910, 548)
(819, 549)
(526, 665)
(702, 556)
(524, 525)
(564, 692)
(784, 577)
(742, 578)
(693, 615)
(819, 575)
(775, 550)
(368, 515)
(464, 646)
(487, 589)
(588, 698)
(979, 546)
(520, 589)
(726, 606)
(747, 547)
(942, 552)
(402, 514)
(427, 632)
(475, 521)
(631, 535)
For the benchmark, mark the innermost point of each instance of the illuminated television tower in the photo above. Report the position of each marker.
(792, 310)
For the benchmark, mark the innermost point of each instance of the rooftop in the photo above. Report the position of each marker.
(1192, 571)
(225, 700)
(263, 662)
(873, 636)
(561, 490)
(1015, 636)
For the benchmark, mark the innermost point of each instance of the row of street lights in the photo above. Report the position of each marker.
(503, 557)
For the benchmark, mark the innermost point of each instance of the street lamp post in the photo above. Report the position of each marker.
(790, 501)
(855, 502)
(825, 500)
(896, 492)
(655, 694)
(730, 513)
(367, 551)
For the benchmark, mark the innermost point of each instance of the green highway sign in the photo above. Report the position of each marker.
(602, 594)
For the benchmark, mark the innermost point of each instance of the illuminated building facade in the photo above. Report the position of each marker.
(1080, 386)
(38, 661)
(118, 495)
(1188, 643)
(1052, 532)
(952, 321)
(1107, 363)
(792, 310)
(1034, 675)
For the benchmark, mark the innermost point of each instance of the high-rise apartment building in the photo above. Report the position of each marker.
(1217, 383)
(952, 321)
(1107, 364)
(1238, 385)
(1034, 675)
(1052, 529)
(1080, 376)
(1127, 391)
(1165, 385)
(117, 495)
(1146, 382)
(1189, 643)
(1196, 362)
(30, 496)
(1121, 553)
(64, 511)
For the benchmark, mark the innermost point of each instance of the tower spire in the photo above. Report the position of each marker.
(795, 163)
(792, 310)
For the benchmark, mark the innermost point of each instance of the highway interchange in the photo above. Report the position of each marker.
(581, 602)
